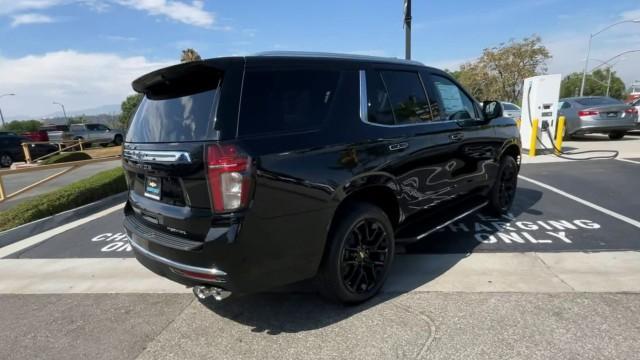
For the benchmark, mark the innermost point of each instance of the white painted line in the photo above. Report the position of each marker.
(627, 160)
(614, 214)
(35, 239)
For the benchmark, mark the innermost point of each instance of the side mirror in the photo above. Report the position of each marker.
(491, 109)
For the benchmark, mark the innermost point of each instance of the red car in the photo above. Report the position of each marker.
(38, 135)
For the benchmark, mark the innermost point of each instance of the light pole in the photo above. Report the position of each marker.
(591, 36)
(63, 111)
(407, 29)
(2, 116)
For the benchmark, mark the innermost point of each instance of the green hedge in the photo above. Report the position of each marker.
(79, 193)
(66, 157)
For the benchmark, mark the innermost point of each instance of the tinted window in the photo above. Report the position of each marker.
(408, 99)
(565, 105)
(510, 107)
(457, 105)
(595, 101)
(93, 127)
(185, 118)
(286, 100)
(77, 127)
(378, 105)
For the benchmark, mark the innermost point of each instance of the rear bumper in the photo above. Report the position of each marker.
(602, 126)
(248, 256)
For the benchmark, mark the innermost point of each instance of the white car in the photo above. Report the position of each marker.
(636, 103)
(510, 110)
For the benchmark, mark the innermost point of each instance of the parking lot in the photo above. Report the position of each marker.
(558, 276)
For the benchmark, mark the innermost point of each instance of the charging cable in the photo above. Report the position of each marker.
(567, 155)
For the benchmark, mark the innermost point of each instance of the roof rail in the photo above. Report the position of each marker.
(337, 56)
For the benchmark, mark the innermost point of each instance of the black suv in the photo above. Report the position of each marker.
(246, 173)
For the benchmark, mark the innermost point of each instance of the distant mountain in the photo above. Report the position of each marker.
(113, 109)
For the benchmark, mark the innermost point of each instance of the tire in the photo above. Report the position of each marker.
(360, 248)
(5, 160)
(616, 135)
(117, 140)
(503, 192)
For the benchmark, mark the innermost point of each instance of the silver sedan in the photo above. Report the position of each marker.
(597, 114)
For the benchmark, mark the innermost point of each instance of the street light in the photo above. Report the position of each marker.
(2, 116)
(63, 111)
(591, 36)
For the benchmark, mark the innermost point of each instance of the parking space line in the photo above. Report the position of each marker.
(627, 160)
(614, 214)
(33, 240)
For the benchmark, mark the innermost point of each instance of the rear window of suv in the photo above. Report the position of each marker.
(286, 100)
(184, 118)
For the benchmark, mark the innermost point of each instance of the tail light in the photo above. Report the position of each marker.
(587, 113)
(228, 171)
(631, 111)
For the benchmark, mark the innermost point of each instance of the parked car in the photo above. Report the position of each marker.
(57, 133)
(636, 104)
(38, 135)
(246, 173)
(597, 114)
(96, 133)
(11, 149)
(510, 110)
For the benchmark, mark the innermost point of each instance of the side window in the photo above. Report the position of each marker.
(408, 99)
(457, 105)
(565, 105)
(378, 104)
(286, 100)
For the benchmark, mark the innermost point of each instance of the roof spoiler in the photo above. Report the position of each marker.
(179, 80)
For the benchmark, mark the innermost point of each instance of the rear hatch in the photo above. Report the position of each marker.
(604, 108)
(612, 112)
(185, 109)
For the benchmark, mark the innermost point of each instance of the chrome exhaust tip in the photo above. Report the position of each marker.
(202, 292)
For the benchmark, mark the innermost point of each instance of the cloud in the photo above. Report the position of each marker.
(192, 14)
(78, 80)
(31, 18)
(14, 6)
(631, 14)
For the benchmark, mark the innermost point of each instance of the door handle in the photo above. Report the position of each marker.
(398, 146)
(456, 136)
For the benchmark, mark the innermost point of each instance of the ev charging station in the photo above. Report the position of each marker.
(540, 96)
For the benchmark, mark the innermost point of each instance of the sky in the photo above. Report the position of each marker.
(85, 53)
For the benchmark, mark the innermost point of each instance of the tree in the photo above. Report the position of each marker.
(500, 72)
(128, 107)
(595, 84)
(18, 126)
(189, 55)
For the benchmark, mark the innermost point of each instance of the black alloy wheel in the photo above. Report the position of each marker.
(503, 192)
(364, 256)
(5, 160)
(359, 254)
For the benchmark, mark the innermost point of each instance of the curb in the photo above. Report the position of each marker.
(26, 230)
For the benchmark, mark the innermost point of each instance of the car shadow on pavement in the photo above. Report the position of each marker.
(298, 308)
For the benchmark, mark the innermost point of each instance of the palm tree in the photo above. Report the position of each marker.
(190, 55)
